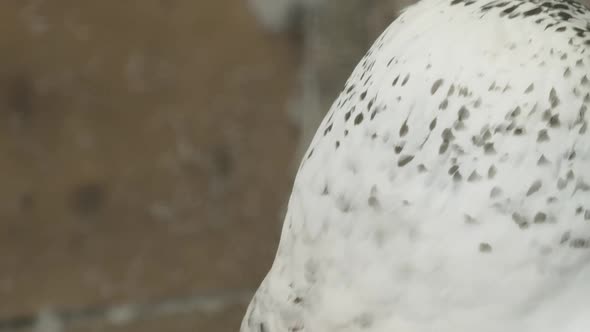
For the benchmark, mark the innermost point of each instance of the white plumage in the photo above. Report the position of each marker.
(448, 187)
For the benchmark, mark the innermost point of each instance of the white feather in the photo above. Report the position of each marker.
(460, 201)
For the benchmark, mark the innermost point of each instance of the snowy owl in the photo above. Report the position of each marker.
(448, 187)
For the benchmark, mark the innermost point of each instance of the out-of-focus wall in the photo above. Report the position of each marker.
(143, 163)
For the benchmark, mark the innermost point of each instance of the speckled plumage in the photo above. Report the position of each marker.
(448, 187)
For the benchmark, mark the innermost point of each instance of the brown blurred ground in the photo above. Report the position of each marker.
(144, 156)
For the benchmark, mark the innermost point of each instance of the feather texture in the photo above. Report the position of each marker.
(448, 187)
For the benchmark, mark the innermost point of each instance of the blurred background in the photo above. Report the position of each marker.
(148, 147)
